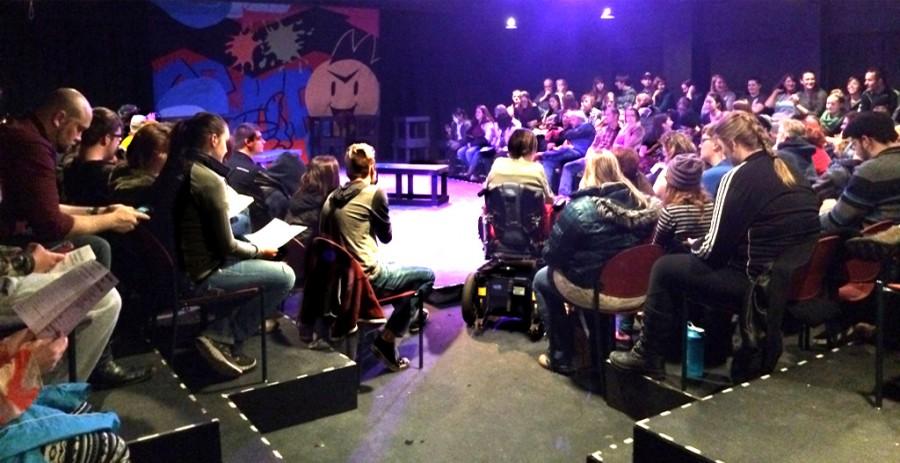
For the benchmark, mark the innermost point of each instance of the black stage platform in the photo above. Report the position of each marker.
(815, 410)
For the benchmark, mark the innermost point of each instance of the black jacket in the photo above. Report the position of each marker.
(798, 153)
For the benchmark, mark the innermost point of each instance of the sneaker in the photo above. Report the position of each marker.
(219, 357)
(419, 322)
(387, 353)
(640, 360)
(545, 361)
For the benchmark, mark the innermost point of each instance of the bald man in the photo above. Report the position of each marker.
(30, 210)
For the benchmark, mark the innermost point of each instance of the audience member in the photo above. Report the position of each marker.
(718, 86)
(591, 113)
(506, 125)
(322, 177)
(673, 144)
(755, 97)
(651, 148)
(647, 83)
(685, 118)
(132, 182)
(871, 194)
(687, 210)
(527, 114)
(689, 91)
(600, 92)
(562, 89)
(783, 100)
(796, 150)
(608, 129)
(632, 134)
(718, 164)
(85, 179)
(456, 131)
(879, 96)
(834, 114)
(520, 167)
(815, 136)
(35, 263)
(810, 100)
(629, 163)
(553, 116)
(211, 256)
(854, 93)
(544, 96)
(54, 422)
(626, 94)
(663, 99)
(484, 133)
(606, 215)
(715, 109)
(355, 215)
(578, 137)
(760, 199)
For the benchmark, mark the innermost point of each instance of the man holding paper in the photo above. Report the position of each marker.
(211, 255)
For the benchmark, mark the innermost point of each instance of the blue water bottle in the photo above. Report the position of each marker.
(694, 351)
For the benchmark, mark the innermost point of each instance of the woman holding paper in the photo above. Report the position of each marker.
(208, 251)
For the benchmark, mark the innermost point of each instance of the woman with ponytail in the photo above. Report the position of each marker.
(760, 211)
(207, 249)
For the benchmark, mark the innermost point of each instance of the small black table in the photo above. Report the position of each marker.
(436, 171)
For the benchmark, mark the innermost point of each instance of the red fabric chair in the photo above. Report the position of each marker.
(808, 281)
(861, 274)
(622, 285)
(338, 289)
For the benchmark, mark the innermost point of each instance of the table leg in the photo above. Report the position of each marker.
(444, 186)
(409, 184)
(434, 192)
(398, 190)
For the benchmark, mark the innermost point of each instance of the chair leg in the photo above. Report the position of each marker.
(72, 356)
(174, 336)
(879, 342)
(262, 337)
(421, 346)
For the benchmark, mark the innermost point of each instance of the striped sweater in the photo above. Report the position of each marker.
(678, 222)
(872, 194)
(756, 217)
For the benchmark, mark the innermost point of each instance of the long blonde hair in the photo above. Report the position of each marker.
(603, 167)
(739, 127)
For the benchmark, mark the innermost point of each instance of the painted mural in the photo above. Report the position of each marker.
(270, 64)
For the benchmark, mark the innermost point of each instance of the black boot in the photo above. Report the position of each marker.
(640, 360)
(109, 374)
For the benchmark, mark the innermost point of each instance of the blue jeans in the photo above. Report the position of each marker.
(560, 326)
(570, 171)
(240, 224)
(276, 280)
(554, 159)
(395, 279)
(469, 154)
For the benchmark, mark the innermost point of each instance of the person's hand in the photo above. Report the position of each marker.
(44, 260)
(125, 218)
(47, 352)
(758, 107)
(795, 98)
(267, 253)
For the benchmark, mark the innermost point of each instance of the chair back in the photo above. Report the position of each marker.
(157, 267)
(295, 258)
(516, 215)
(627, 274)
(806, 283)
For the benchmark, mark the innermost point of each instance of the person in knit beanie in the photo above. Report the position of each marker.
(687, 209)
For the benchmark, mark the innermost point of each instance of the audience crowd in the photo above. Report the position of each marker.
(728, 183)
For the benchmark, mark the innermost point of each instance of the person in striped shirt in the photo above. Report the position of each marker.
(687, 210)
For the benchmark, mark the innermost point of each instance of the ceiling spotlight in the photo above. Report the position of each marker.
(511, 23)
(607, 14)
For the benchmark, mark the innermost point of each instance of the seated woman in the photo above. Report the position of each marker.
(321, 178)
(207, 250)
(687, 210)
(632, 133)
(760, 211)
(484, 133)
(49, 423)
(131, 182)
(520, 167)
(673, 144)
(606, 215)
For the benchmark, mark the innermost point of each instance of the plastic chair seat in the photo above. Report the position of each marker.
(856, 291)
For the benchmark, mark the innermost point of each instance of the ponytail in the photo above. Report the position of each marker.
(740, 127)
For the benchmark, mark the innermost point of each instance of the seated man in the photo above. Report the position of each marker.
(871, 194)
(31, 210)
(578, 138)
(520, 167)
(355, 215)
(86, 178)
(24, 272)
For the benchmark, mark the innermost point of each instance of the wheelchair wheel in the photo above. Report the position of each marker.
(469, 297)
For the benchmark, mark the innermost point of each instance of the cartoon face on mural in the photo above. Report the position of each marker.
(344, 86)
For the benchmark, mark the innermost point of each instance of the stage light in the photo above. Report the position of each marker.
(607, 14)
(511, 23)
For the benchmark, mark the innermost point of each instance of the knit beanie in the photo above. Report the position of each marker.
(684, 171)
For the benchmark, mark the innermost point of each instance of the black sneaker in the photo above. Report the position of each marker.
(219, 357)
(387, 353)
(244, 361)
(419, 322)
(640, 360)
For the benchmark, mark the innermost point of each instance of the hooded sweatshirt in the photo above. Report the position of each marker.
(798, 153)
(355, 215)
